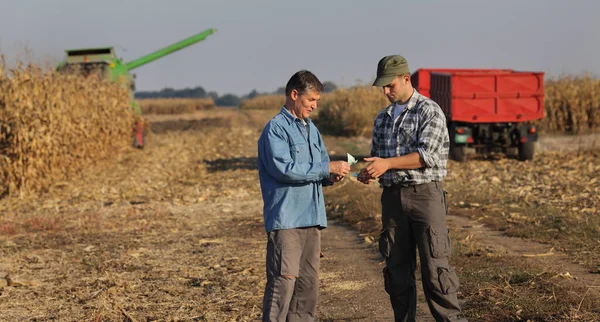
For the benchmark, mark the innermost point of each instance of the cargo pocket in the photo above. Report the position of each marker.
(387, 281)
(446, 201)
(384, 243)
(448, 280)
(439, 243)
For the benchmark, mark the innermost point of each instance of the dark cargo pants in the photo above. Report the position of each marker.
(415, 217)
(292, 274)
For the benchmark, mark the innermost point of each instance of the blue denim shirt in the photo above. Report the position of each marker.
(293, 166)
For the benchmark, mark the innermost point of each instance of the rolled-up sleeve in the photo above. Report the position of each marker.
(275, 152)
(433, 132)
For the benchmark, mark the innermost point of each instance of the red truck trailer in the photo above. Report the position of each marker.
(490, 110)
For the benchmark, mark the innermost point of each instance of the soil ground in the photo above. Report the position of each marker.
(174, 233)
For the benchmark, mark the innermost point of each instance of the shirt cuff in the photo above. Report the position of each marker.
(325, 170)
(326, 183)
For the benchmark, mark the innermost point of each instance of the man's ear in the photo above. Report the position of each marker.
(294, 94)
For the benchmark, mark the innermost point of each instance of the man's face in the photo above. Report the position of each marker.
(398, 89)
(304, 103)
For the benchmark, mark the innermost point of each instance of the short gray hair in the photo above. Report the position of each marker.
(302, 81)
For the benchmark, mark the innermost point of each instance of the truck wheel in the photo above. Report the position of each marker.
(526, 151)
(458, 152)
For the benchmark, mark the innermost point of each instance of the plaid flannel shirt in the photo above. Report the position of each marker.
(421, 127)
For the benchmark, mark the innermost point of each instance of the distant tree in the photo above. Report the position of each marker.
(228, 100)
(329, 86)
(167, 90)
(252, 94)
(213, 95)
(197, 92)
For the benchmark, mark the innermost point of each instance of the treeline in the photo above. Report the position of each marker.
(220, 100)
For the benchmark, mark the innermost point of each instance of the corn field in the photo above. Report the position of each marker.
(263, 102)
(176, 105)
(351, 112)
(571, 106)
(52, 126)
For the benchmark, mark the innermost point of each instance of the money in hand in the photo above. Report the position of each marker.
(351, 159)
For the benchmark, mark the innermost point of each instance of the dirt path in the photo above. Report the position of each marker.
(543, 255)
(351, 282)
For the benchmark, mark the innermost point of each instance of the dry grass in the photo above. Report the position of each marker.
(171, 232)
(176, 105)
(502, 287)
(174, 232)
(264, 102)
(52, 126)
(554, 199)
(495, 286)
(351, 112)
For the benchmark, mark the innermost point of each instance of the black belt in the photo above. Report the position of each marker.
(400, 185)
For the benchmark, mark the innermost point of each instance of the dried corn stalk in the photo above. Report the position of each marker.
(52, 126)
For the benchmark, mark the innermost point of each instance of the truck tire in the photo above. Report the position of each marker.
(526, 151)
(458, 152)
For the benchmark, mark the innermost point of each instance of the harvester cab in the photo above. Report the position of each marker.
(103, 62)
(97, 61)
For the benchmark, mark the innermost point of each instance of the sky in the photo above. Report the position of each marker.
(259, 44)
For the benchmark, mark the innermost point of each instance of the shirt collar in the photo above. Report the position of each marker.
(291, 118)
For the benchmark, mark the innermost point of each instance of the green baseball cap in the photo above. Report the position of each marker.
(388, 68)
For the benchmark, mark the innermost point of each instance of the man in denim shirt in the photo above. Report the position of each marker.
(409, 153)
(293, 166)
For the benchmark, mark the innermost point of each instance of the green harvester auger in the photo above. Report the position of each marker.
(104, 62)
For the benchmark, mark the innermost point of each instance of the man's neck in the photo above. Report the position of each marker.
(404, 101)
(292, 112)
(287, 105)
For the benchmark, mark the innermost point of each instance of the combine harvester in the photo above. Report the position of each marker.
(104, 62)
(489, 110)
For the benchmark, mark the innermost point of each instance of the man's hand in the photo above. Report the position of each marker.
(335, 178)
(364, 177)
(340, 168)
(378, 167)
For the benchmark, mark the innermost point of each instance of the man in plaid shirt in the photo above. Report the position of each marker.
(409, 153)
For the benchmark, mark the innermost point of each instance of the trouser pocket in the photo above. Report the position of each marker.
(446, 201)
(387, 280)
(448, 280)
(385, 243)
(439, 242)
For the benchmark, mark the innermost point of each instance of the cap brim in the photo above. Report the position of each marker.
(383, 81)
